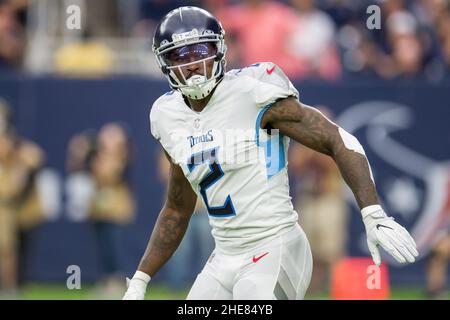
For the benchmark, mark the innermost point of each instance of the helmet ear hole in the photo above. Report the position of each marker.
(165, 70)
(219, 56)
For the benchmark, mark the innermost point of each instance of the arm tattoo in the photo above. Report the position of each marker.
(171, 228)
(172, 223)
(303, 123)
(355, 170)
(165, 239)
(175, 193)
(311, 128)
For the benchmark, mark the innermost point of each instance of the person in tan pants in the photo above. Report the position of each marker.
(20, 207)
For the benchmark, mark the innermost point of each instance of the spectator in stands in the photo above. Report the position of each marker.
(408, 50)
(343, 12)
(400, 50)
(258, 31)
(151, 11)
(442, 24)
(113, 203)
(8, 226)
(429, 12)
(313, 42)
(446, 54)
(12, 37)
(103, 18)
(437, 267)
(214, 5)
(79, 185)
(322, 209)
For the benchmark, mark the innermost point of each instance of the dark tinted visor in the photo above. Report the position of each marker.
(190, 53)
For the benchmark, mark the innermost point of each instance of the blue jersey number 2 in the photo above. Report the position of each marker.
(214, 175)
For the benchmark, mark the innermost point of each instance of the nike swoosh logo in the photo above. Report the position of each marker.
(381, 225)
(256, 259)
(269, 71)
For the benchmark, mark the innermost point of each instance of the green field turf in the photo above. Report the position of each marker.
(160, 292)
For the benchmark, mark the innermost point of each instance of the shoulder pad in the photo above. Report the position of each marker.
(266, 72)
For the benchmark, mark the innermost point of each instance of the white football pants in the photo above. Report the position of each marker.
(280, 269)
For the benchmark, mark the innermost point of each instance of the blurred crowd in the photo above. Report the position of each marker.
(96, 190)
(309, 39)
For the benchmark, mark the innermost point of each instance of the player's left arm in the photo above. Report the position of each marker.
(311, 128)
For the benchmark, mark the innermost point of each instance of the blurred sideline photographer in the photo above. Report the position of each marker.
(20, 206)
(79, 185)
(112, 205)
(437, 267)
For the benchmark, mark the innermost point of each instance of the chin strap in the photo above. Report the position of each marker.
(197, 92)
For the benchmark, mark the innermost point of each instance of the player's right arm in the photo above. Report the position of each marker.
(171, 223)
(167, 234)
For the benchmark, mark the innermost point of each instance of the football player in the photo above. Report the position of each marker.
(261, 252)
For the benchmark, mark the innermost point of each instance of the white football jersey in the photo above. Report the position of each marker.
(239, 170)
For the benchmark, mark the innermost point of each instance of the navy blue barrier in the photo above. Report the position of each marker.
(403, 127)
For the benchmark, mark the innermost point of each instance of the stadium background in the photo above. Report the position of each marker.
(50, 105)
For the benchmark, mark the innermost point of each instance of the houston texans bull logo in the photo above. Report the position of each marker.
(414, 186)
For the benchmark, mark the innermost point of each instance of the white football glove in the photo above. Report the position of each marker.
(137, 286)
(383, 231)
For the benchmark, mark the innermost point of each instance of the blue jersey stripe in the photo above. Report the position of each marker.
(275, 159)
